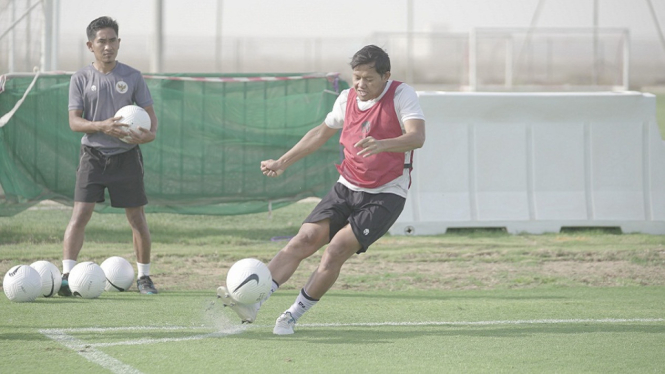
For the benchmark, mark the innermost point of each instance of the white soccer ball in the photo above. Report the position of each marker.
(119, 274)
(248, 281)
(135, 117)
(87, 280)
(50, 275)
(22, 283)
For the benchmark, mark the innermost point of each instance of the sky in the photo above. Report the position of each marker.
(348, 18)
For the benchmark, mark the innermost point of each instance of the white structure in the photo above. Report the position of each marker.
(536, 162)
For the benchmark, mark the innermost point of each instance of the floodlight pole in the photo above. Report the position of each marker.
(595, 43)
(12, 36)
(28, 34)
(50, 35)
(218, 36)
(508, 72)
(409, 41)
(55, 35)
(626, 60)
(47, 30)
(157, 38)
(473, 63)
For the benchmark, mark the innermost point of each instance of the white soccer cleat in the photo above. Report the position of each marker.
(246, 312)
(284, 324)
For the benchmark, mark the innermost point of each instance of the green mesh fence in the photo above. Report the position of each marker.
(214, 130)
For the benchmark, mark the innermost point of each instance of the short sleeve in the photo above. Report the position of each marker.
(407, 104)
(76, 89)
(142, 95)
(335, 119)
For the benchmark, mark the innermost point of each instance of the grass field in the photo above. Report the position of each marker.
(479, 301)
(562, 330)
(470, 301)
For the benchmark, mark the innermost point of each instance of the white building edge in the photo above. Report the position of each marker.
(537, 162)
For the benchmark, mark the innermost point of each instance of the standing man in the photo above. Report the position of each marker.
(382, 123)
(96, 92)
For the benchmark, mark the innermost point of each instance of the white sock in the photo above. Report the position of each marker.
(273, 288)
(68, 265)
(144, 269)
(302, 304)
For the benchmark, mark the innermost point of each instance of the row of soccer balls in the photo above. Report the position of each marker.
(248, 280)
(23, 283)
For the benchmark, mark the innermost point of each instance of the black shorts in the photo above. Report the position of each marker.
(370, 215)
(122, 174)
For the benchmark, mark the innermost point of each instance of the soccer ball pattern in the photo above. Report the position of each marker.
(119, 274)
(248, 281)
(22, 284)
(50, 276)
(135, 117)
(87, 280)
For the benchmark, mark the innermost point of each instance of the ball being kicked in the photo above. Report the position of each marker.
(248, 281)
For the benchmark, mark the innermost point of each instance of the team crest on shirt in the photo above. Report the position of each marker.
(121, 87)
(93, 88)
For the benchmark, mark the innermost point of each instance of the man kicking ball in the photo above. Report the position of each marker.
(382, 123)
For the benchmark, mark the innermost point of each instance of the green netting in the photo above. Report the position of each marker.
(214, 130)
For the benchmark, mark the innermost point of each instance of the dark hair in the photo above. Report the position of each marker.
(101, 23)
(372, 54)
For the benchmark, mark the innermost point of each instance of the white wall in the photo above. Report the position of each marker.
(536, 162)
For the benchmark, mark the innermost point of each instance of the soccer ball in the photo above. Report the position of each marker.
(248, 281)
(50, 275)
(87, 280)
(22, 283)
(135, 117)
(119, 274)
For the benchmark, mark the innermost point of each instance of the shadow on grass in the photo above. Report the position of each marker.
(476, 231)
(22, 336)
(482, 232)
(451, 296)
(388, 334)
(175, 235)
(592, 230)
(159, 234)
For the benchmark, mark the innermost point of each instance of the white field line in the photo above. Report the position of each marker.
(163, 340)
(153, 341)
(101, 330)
(92, 355)
(111, 329)
(87, 349)
(485, 323)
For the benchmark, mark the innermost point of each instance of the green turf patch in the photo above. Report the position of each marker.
(571, 329)
(472, 301)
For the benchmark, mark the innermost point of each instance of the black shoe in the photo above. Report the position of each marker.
(64, 286)
(145, 286)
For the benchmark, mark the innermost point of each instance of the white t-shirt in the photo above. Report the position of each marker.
(406, 107)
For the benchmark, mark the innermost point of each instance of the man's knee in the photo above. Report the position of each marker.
(336, 255)
(136, 218)
(308, 240)
(314, 234)
(81, 215)
(341, 248)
